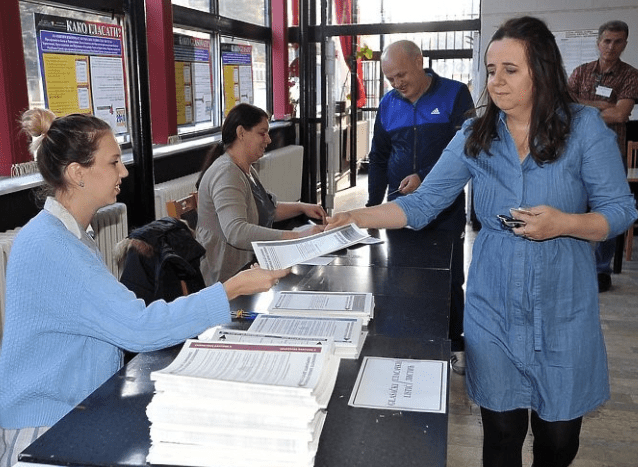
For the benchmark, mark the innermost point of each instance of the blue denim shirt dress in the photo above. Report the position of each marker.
(532, 328)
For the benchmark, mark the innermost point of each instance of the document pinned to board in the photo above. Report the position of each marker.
(401, 384)
(281, 254)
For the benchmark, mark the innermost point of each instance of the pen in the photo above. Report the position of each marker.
(242, 314)
(398, 190)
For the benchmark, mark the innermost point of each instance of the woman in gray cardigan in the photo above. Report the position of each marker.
(234, 209)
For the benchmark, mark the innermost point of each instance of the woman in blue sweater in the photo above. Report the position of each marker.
(68, 319)
(533, 340)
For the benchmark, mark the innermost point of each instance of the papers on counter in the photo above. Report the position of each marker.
(217, 395)
(347, 333)
(306, 317)
(221, 334)
(401, 384)
(282, 254)
(315, 303)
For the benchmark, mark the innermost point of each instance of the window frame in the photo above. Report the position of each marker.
(218, 26)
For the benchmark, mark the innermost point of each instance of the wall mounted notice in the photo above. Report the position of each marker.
(238, 75)
(192, 79)
(577, 47)
(82, 68)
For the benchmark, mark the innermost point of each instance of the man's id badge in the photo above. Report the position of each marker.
(603, 91)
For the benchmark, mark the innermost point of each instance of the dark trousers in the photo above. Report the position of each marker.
(555, 443)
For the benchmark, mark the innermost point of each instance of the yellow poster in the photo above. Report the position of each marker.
(238, 75)
(68, 88)
(231, 87)
(183, 93)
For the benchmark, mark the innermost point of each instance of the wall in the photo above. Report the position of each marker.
(562, 15)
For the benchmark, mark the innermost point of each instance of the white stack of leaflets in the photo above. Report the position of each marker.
(332, 304)
(240, 404)
(347, 332)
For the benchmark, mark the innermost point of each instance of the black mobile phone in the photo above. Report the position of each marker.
(509, 222)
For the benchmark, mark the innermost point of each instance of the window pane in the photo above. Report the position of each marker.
(196, 103)
(201, 5)
(250, 11)
(293, 79)
(249, 82)
(459, 69)
(409, 11)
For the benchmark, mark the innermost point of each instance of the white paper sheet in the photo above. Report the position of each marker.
(401, 384)
(283, 254)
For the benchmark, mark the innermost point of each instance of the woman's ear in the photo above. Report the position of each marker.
(75, 174)
(240, 132)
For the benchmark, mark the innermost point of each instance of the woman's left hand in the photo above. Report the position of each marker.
(315, 211)
(543, 223)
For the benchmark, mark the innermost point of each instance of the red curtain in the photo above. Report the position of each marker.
(343, 9)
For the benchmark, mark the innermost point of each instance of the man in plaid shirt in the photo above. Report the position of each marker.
(611, 86)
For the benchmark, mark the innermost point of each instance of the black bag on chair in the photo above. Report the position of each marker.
(162, 260)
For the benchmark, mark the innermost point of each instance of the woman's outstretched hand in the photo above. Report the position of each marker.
(339, 219)
(253, 280)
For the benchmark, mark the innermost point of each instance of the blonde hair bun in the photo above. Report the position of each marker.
(36, 123)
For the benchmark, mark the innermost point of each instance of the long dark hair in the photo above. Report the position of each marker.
(551, 115)
(59, 141)
(245, 115)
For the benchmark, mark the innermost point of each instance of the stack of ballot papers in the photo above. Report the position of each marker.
(347, 332)
(222, 334)
(240, 404)
(326, 304)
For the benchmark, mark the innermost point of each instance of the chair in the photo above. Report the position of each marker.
(632, 177)
(184, 209)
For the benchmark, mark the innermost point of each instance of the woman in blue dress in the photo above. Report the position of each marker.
(532, 328)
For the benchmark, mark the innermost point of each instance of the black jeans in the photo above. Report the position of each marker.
(555, 443)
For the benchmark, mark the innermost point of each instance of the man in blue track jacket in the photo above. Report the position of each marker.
(415, 122)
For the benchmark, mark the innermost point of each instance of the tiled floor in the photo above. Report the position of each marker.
(609, 436)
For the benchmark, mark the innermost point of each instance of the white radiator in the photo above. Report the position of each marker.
(24, 168)
(172, 190)
(280, 171)
(110, 225)
(6, 240)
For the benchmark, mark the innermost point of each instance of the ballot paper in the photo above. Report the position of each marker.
(347, 332)
(282, 254)
(401, 384)
(322, 303)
